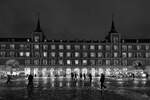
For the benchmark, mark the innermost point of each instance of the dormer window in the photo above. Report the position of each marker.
(36, 38)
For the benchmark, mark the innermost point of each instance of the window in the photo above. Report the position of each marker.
(76, 62)
(85, 54)
(116, 62)
(45, 47)
(100, 47)
(27, 54)
(37, 54)
(60, 62)
(92, 54)
(124, 62)
(115, 47)
(21, 46)
(27, 62)
(77, 47)
(61, 47)
(139, 54)
(53, 47)
(115, 54)
(107, 54)
(68, 54)
(92, 62)
(77, 54)
(129, 47)
(36, 46)
(138, 47)
(92, 47)
(12, 46)
(3, 46)
(100, 54)
(61, 54)
(124, 47)
(2, 53)
(99, 62)
(12, 54)
(107, 47)
(147, 47)
(107, 62)
(68, 62)
(68, 47)
(84, 62)
(53, 61)
(21, 54)
(124, 54)
(85, 47)
(36, 62)
(45, 54)
(36, 38)
(53, 54)
(45, 62)
(129, 54)
(147, 54)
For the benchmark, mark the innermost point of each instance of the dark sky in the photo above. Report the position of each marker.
(76, 19)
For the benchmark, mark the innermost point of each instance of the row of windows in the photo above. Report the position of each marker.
(76, 47)
(77, 54)
(74, 62)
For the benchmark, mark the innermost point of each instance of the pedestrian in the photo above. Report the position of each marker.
(72, 75)
(102, 80)
(30, 80)
(84, 76)
(90, 77)
(8, 79)
(80, 75)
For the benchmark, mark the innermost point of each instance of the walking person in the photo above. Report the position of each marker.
(90, 77)
(8, 79)
(84, 76)
(80, 76)
(30, 80)
(102, 80)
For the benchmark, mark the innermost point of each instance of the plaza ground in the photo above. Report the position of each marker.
(66, 89)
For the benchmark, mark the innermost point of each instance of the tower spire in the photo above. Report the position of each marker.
(113, 29)
(38, 26)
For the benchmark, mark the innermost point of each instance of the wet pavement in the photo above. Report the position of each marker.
(67, 89)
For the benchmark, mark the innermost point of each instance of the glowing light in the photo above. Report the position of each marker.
(51, 72)
(35, 71)
(100, 71)
(44, 72)
(84, 70)
(143, 75)
(93, 71)
(27, 71)
(60, 84)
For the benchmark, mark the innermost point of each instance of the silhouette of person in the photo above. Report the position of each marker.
(84, 76)
(80, 75)
(102, 79)
(90, 77)
(72, 75)
(8, 79)
(30, 80)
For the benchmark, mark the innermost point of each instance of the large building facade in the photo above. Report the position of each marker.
(43, 57)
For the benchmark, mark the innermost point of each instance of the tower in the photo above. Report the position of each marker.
(38, 34)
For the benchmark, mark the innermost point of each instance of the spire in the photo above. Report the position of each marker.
(38, 27)
(113, 29)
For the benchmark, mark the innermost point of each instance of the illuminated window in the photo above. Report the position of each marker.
(2, 53)
(27, 54)
(100, 47)
(85, 47)
(77, 47)
(107, 62)
(115, 54)
(147, 54)
(115, 47)
(138, 47)
(36, 38)
(3, 46)
(99, 62)
(53, 47)
(36, 46)
(76, 62)
(124, 54)
(92, 47)
(60, 62)
(61, 47)
(129, 47)
(100, 54)
(21, 54)
(92, 54)
(53, 61)
(139, 54)
(147, 47)
(21, 46)
(45, 47)
(45, 54)
(85, 54)
(12, 46)
(68, 47)
(77, 54)
(60, 54)
(68, 54)
(84, 62)
(68, 62)
(53, 54)
(129, 54)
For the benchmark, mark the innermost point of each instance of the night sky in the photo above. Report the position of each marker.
(76, 19)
